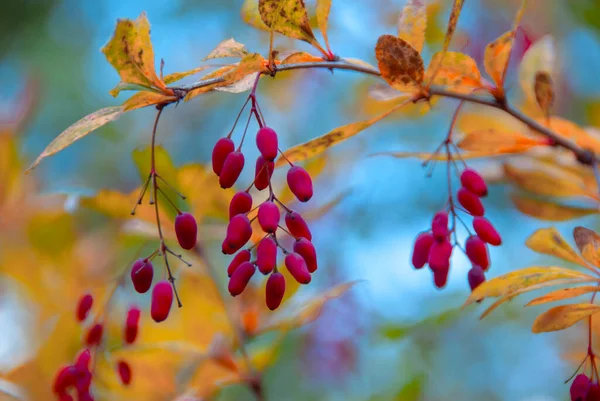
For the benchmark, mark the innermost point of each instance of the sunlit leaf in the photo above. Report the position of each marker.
(441, 156)
(572, 131)
(250, 64)
(412, 23)
(227, 48)
(176, 76)
(549, 211)
(549, 181)
(217, 74)
(251, 16)
(544, 91)
(118, 205)
(549, 242)
(143, 99)
(454, 70)
(203, 192)
(492, 141)
(562, 294)
(540, 57)
(400, 65)
(323, 8)
(243, 85)
(588, 243)
(561, 317)
(301, 57)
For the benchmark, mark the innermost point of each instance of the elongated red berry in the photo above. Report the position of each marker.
(239, 232)
(94, 334)
(477, 252)
(266, 142)
(83, 306)
(142, 273)
(476, 276)
(82, 363)
(131, 324)
(241, 203)
(580, 387)
(439, 225)
(263, 173)
(266, 255)
(440, 277)
(439, 256)
(240, 278)
(421, 249)
(124, 372)
(297, 226)
(275, 290)
(232, 168)
(239, 258)
(68, 397)
(65, 378)
(83, 382)
(162, 299)
(296, 265)
(268, 216)
(300, 183)
(475, 183)
(186, 230)
(486, 231)
(470, 202)
(593, 393)
(306, 249)
(222, 149)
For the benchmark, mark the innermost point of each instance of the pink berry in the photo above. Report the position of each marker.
(266, 255)
(232, 168)
(162, 299)
(124, 372)
(300, 183)
(475, 183)
(266, 142)
(94, 335)
(186, 230)
(263, 173)
(439, 225)
(222, 149)
(241, 203)
(421, 249)
(83, 306)
(239, 232)
(439, 256)
(486, 231)
(240, 278)
(297, 268)
(476, 276)
(64, 379)
(297, 226)
(440, 277)
(241, 257)
(477, 252)
(83, 360)
(306, 249)
(268, 216)
(470, 201)
(275, 290)
(131, 325)
(142, 273)
(580, 387)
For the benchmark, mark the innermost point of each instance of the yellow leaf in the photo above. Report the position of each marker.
(547, 210)
(323, 8)
(399, 63)
(492, 141)
(548, 241)
(301, 57)
(549, 182)
(176, 76)
(412, 24)
(561, 317)
(455, 70)
(143, 99)
(431, 156)
(563, 293)
(130, 53)
(227, 48)
(204, 193)
(248, 65)
(588, 243)
(544, 91)
(541, 56)
(213, 75)
(119, 205)
(78, 130)
(251, 16)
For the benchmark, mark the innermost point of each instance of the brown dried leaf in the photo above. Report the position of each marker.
(544, 91)
(588, 243)
(399, 63)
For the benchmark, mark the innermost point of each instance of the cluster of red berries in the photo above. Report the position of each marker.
(302, 260)
(434, 247)
(584, 389)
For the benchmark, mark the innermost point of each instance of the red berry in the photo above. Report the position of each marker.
(162, 298)
(241, 203)
(477, 252)
(275, 290)
(222, 149)
(440, 277)
(232, 168)
(486, 231)
(306, 249)
(83, 383)
(300, 183)
(142, 273)
(263, 173)
(580, 387)
(470, 202)
(94, 335)
(439, 256)
(65, 378)
(240, 278)
(84, 306)
(593, 393)
(475, 183)
(186, 230)
(297, 226)
(82, 362)
(68, 397)
(421, 249)
(266, 255)
(296, 265)
(439, 225)
(241, 257)
(82, 397)
(266, 142)
(268, 216)
(476, 276)
(124, 372)
(131, 325)
(239, 232)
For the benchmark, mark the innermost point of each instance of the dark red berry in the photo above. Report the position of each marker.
(470, 202)
(240, 278)
(241, 203)
(82, 362)
(439, 256)
(94, 335)
(232, 168)
(593, 393)
(268, 216)
(222, 149)
(83, 383)
(83, 306)
(68, 397)
(239, 232)
(124, 372)
(241, 257)
(439, 225)
(186, 230)
(82, 397)
(476, 276)
(296, 265)
(300, 183)
(275, 290)
(475, 183)
(297, 226)
(306, 249)
(263, 173)
(580, 387)
(266, 255)
(131, 325)
(162, 298)
(486, 231)
(142, 273)
(477, 252)
(421, 249)
(440, 277)
(266, 142)
(65, 378)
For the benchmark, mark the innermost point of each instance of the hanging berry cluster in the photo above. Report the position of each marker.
(228, 163)
(585, 388)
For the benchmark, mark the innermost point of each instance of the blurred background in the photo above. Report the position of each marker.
(392, 336)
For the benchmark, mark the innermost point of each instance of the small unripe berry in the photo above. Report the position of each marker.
(65, 378)
(306, 249)
(239, 232)
(124, 372)
(222, 149)
(232, 168)
(83, 307)
(486, 231)
(266, 142)
(240, 278)
(421, 249)
(186, 230)
(580, 387)
(131, 325)
(476, 276)
(477, 252)
(470, 202)
(300, 183)
(241, 257)
(266, 255)
(296, 265)
(263, 173)
(475, 183)
(439, 225)
(275, 290)
(142, 273)
(94, 335)
(268, 216)
(439, 256)
(162, 299)
(297, 226)
(241, 203)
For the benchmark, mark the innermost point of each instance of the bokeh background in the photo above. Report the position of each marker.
(393, 336)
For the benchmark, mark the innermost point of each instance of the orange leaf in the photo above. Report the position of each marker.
(572, 131)
(323, 8)
(549, 181)
(301, 57)
(248, 65)
(455, 70)
(547, 210)
(563, 293)
(215, 74)
(412, 24)
(561, 317)
(492, 141)
(399, 63)
(145, 98)
(548, 241)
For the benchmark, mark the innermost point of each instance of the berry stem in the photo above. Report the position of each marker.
(142, 193)
(168, 200)
(238, 117)
(182, 196)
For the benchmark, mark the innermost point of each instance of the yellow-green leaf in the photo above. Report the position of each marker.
(549, 211)
(588, 243)
(251, 16)
(548, 182)
(78, 130)
(455, 70)
(412, 24)
(492, 141)
(227, 48)
(561, 317)
(176, 76)
(143, 99)
(399, 63)
(562, 294)
(548, 241)
(323, 8)
(289, 18)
